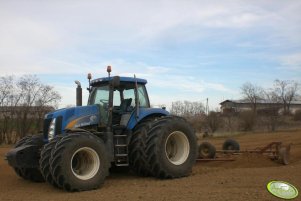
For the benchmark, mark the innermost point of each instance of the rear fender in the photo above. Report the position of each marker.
(144, 113)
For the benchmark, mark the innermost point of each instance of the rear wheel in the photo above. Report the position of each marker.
(137, 148)
(79, 162)
(32, 174)
(171, 148)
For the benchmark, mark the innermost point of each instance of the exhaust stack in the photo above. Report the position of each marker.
(78, 94)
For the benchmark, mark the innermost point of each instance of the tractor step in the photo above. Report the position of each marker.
(122, 165)
(121, 155)
(121, 150)
(116, 136)
(120, 145)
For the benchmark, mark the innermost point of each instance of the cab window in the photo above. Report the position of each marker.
(143, 100)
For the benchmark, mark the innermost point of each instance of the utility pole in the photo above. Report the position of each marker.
(206, 133)
(207, 107)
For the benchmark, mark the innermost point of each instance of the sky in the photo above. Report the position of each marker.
(187, 50)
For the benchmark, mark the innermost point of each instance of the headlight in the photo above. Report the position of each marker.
(51, 129)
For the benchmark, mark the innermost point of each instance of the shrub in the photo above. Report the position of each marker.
(214, 121)
(197, 121)
(247, 120)
(297, 115)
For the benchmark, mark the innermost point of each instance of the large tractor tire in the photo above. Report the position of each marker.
(22, 141)
(137, 148)
(45, 160)
(18, 144)
(32, 174)
(79, 162)
(171, 148)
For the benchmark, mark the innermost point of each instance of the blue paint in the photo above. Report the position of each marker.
(122, 79)
(144, 113)
(70, 114)
(90, 115)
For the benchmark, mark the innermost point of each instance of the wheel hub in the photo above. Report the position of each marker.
(177, 148)
(85, 163)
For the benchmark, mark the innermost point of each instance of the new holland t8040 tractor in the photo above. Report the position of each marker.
(116, 128)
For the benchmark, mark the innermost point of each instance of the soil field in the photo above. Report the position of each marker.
(243, 179)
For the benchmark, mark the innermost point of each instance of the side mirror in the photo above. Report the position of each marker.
(115, 82)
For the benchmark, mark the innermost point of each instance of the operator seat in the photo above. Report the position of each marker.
(125, 105)
(125, 109)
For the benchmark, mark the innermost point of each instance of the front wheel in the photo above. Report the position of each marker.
(45, 160)
(32, 174)
(171, 148)
(79, 162)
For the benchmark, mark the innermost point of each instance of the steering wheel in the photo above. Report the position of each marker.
(103, 101)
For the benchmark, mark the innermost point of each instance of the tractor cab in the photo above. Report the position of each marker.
(127, 96)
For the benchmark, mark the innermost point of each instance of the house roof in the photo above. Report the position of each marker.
(261, 101)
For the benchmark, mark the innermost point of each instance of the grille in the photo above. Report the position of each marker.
(58, 125)
(45, 128)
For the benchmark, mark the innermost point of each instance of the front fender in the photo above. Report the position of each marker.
(144, 113)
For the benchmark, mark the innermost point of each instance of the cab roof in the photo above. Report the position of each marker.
(122, 79)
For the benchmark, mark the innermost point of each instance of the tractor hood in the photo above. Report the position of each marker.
(69, 118)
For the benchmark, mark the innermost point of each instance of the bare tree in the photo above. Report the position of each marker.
(23, 103)
(247, 120)
(286, 91)
(6, 86)
(213, 121)
(252, 93)
(187, 108)
(34, 94)
(47, 97)
(271, 112)
(229, 120)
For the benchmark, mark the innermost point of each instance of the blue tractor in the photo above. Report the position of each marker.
(116, 128)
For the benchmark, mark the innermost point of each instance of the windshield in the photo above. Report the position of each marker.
(100, 96)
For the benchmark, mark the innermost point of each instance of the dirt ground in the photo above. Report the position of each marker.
(243, 179)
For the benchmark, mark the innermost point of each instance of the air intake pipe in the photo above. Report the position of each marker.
(78, 94)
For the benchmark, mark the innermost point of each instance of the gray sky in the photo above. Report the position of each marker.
(188, 50)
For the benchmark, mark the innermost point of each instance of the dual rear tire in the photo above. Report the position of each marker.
(169, 148)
